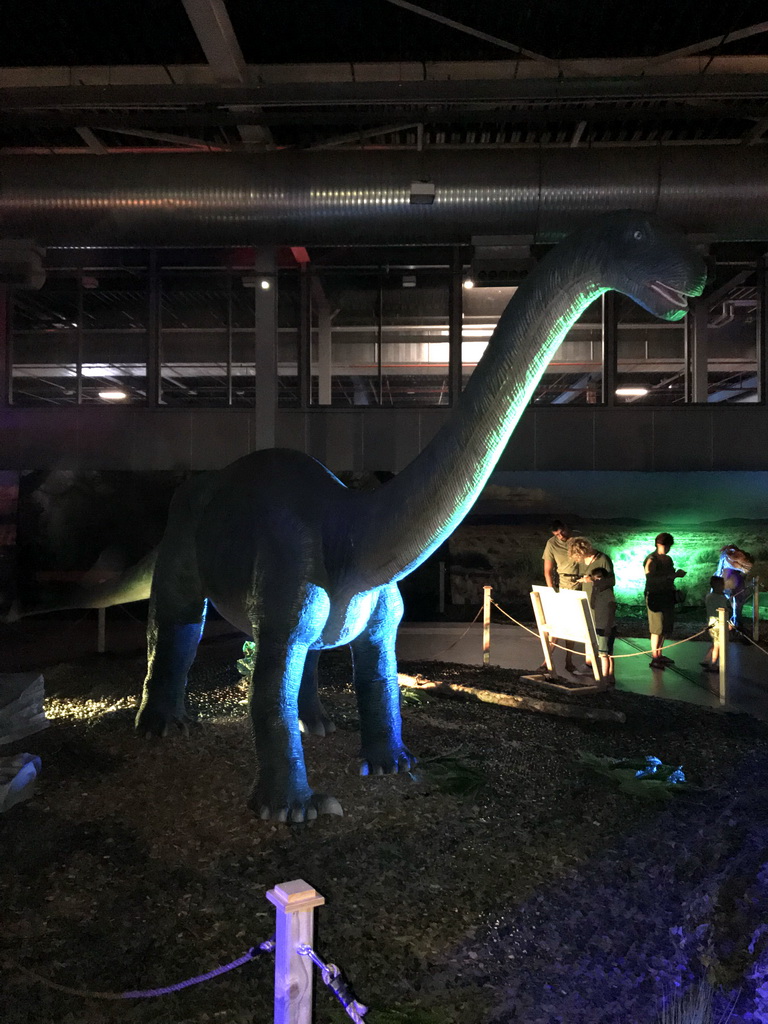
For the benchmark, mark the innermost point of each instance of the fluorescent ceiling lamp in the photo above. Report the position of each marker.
(113, 396)
(631, 392)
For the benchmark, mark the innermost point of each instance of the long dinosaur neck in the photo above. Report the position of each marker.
(420, 507)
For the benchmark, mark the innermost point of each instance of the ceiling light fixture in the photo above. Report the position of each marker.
(113, 396)
(631, 392)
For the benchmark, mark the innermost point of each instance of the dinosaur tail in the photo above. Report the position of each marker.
(133, 585)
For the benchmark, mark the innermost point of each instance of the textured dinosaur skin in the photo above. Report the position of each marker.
(300, 563)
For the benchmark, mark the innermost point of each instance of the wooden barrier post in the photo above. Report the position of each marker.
(487, 626)
(723, 623)
(756, 609)
(294, 927)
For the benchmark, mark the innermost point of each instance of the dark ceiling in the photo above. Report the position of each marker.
(101, 76)
(49, 32)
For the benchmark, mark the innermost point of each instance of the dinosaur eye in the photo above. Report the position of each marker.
(638, 235)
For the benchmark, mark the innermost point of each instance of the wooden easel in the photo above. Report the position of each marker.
(565, 615)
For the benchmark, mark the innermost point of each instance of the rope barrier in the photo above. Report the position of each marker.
(264, 947)
(452, 645)
(750, 640)
(560, 647)
(334, 979)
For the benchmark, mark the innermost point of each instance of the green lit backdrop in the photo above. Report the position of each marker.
(502, 541)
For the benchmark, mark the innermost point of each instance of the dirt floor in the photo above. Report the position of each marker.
(546, 895)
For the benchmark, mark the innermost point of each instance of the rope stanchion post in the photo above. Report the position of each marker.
(295, 904)
(487, 591)
(722, 623)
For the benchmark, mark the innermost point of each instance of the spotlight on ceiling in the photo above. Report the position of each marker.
(422, 193)
(468, 283)
(631, 392)
(113, 396)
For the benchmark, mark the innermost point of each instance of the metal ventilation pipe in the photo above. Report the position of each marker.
(364, 197)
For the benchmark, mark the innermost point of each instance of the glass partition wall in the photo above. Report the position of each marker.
(354, 335)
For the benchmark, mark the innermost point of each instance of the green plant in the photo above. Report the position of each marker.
(245, 664)
(647, 778)
(413, 698)
(453, 775)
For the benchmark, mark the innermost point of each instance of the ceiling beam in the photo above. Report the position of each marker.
(178, 140)
(708, 44)
(389, 117)
(375, 93)
(450, 23)
(217, 38)
(94, 144)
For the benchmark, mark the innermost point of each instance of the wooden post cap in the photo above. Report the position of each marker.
(296, 895)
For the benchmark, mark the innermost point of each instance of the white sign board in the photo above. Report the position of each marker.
(565, 615)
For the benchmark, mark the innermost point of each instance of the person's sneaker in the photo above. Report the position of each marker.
(657, 663)
(666, 660)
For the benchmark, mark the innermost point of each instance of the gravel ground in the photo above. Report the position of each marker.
(546, 897)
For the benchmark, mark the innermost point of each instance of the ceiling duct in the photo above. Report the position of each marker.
(292, 197)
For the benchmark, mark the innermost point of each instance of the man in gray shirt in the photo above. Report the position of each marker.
(560, 571)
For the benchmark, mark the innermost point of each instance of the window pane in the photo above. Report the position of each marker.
(44, 338)
(194, 338)
(574, 374)
(651, 362)
(345, 346)
(732, 337)
(115, 318)
(288, 325)
(414, 349)
(396, 317)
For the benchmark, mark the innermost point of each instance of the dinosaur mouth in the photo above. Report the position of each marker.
(674, 298)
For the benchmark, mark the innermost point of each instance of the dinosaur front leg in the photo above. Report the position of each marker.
(282, 791)
(378, 693)
(171, 647)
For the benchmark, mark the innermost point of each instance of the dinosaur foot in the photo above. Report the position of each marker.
(387, 761)
(295, 811)
(316, 726)
(151, 721)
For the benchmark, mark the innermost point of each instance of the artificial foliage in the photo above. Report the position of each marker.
(648, 777)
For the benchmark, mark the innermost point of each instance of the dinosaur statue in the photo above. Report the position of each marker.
(300, 563)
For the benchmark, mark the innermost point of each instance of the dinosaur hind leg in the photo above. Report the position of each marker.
(282, 633)
(313, 717)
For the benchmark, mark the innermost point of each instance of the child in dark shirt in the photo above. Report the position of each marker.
(603, 604)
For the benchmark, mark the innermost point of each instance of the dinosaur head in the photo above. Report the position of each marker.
(649, 261)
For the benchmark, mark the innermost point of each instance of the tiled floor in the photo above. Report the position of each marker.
(512, 647)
